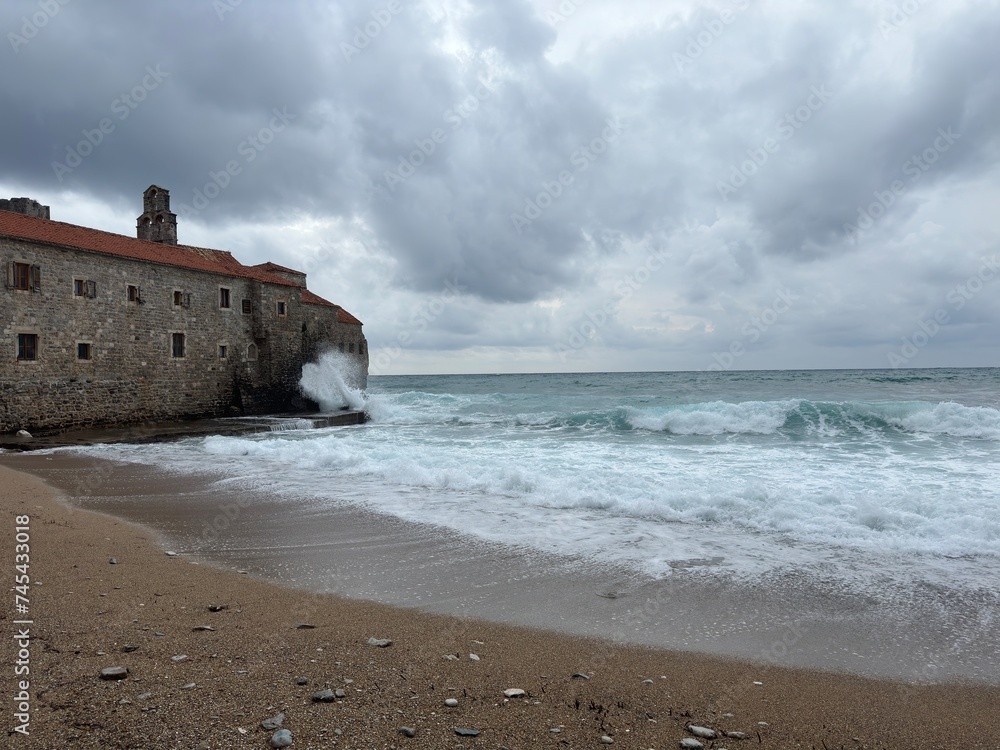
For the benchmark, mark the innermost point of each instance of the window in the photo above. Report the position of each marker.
(182, 299)
(223, 349)
(24, 276)
(247, 307)
(340, 347)
(223, 297)
(27, 347)
(83, 351)
(350, 348)
(281, 309)
(132, 294)
(82, 288)
(252, 353)
(361, 348)
(177, 344)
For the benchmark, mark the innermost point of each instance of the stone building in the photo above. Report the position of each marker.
(99, 328)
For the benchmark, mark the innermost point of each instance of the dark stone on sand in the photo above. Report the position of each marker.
(302, 681)
(128, 648)
(113, 561)
(217, 607)
(303, 626)
(274, 722)
(114, 673)
(466, 732)
(408, 731)
(324, 696)
(579, 676)
(281, 738)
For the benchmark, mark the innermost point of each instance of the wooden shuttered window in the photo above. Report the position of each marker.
(24, 276)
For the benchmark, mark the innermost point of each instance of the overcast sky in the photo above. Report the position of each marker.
(536, 185)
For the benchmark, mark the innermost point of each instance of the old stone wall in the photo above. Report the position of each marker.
(232, 360)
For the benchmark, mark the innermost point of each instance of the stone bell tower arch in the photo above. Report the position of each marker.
(157, 223)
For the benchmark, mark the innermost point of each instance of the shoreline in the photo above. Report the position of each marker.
(89, 614)
(920, 633)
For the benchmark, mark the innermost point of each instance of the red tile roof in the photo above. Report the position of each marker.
(275, 267)
(345, 317)
(309, 298)
(222, 262)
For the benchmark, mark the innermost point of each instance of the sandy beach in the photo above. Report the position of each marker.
(243, 663)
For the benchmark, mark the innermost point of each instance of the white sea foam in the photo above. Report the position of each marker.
(754, 484)
(716, 418)
(330, 382)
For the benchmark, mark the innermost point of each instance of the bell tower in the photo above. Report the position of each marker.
(157, 223)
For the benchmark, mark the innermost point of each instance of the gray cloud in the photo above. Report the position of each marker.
(430, 145)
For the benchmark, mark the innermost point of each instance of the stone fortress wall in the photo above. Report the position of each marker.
(99, 339)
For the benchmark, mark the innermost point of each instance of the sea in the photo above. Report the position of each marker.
(875, 484)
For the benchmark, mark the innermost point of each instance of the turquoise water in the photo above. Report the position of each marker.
(860, 474)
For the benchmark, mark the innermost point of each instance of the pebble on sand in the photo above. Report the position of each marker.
(274, 722)
(461, 732)
(703, 732)
(451, 702)
(690, 743)
(474, 657)
(408, 731)
(114, 673)
(379, 642)
(605, 740)
(324, 696)
(281, 738)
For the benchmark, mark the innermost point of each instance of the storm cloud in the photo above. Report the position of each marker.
(549, 184)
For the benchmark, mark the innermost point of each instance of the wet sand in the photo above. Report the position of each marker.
(89, 614)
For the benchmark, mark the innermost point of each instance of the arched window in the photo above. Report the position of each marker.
(159, 218)
(252, 353)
